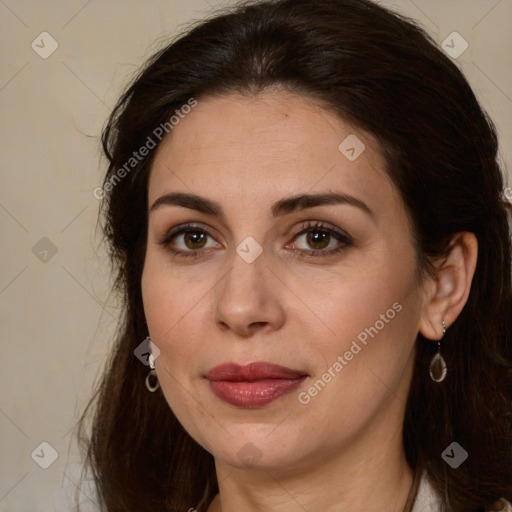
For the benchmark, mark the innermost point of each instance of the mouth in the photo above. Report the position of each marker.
(253, 385)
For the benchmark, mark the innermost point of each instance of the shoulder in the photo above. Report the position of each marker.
(428, 501)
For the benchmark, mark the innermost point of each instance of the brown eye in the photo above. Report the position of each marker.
(195, 239)
(318, 239)
(189, 242)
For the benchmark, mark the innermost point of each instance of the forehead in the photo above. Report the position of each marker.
(270, 145)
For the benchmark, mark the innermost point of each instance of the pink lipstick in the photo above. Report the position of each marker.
(253, 385)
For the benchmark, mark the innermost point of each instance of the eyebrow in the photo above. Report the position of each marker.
(281, 207)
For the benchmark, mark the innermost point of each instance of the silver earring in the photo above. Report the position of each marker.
(151, 378)
(438, 368)
(152, 381)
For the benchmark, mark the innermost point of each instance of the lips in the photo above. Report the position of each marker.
(253, 385)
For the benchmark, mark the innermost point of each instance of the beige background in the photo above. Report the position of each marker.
(56, 316)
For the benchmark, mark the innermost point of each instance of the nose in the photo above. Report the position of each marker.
(247, 300)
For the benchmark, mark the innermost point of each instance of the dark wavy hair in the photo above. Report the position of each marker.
(382, 73)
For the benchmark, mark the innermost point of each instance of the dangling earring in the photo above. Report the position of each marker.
(151, 378)
(438, 368)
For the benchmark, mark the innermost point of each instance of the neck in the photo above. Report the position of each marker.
(362, 476)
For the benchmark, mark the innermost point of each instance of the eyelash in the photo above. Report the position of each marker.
(343, 238)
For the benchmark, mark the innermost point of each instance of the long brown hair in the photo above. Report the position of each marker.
(382, 73)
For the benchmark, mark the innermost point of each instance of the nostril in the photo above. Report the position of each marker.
(258, 324)
(223, 325)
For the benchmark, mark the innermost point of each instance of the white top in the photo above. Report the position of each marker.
(426, 498)
(428, 501)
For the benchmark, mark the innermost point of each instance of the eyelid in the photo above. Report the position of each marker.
(183, 228)
(308, 225)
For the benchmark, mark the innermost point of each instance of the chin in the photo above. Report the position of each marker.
(253, 449)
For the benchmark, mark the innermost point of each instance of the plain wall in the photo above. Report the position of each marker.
(56, 317)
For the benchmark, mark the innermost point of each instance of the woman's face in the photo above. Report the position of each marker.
(287, 245)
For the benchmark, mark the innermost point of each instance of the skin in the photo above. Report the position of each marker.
(289, 307)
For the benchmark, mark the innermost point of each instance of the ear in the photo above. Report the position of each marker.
(447, 293)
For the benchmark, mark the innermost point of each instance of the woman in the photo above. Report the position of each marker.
(307, 217)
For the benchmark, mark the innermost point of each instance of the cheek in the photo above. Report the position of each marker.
(370, 314)
(373, 290)
(177, 309)
(174, 317)
(168, 298)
